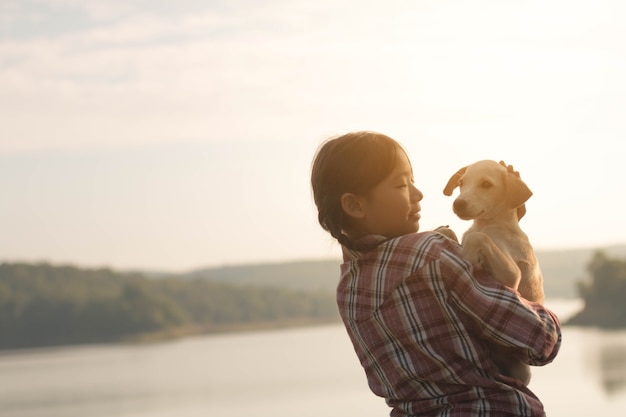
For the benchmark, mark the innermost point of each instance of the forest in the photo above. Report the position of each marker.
(46, 305)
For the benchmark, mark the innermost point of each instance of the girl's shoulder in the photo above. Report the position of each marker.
(422, 246)
(428, 241)
(413, 249)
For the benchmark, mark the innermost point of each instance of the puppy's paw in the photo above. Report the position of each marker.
(474, 247)
(479, 249)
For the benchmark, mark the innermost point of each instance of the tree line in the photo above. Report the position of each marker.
(44, 305)
(604, 294)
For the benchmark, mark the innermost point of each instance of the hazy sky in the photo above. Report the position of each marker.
(179, 134)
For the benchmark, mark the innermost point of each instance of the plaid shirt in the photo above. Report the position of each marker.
(421, 323)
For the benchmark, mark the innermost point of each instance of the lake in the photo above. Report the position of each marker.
(309, 371)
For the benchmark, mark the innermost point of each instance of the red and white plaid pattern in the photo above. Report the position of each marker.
(421, 323)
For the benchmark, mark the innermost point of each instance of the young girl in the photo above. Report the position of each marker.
(420, 317)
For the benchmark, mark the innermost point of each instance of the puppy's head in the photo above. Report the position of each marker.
(487, 189)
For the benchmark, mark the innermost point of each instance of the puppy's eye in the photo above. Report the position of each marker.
(486, 184)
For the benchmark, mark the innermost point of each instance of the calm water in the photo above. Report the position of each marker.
(304, 372)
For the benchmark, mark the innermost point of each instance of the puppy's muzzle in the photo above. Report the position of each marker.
(459, 206)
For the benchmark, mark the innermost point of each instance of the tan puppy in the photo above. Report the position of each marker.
(493, 196)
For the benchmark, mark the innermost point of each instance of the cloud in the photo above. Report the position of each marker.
(127, 73)
(117, 83)
(539, 85)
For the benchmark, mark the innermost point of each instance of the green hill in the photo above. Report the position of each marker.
(46, 305)
(312, 275)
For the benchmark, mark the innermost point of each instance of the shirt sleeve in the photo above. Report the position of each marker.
(500, 314)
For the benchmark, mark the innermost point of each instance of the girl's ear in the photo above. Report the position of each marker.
(351, 205)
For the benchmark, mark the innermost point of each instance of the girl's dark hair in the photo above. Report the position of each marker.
(352, 163)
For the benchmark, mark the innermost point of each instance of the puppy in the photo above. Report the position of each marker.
(492, 195)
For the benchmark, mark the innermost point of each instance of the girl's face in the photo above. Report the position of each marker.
(391, 208)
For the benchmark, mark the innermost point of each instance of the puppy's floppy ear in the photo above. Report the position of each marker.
(453, 182)
(518, 193)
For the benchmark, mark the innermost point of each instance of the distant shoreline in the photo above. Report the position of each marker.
(565, 308)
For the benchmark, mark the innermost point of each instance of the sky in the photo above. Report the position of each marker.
(175, 135)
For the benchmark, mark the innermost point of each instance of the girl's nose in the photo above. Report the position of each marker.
(416, 195)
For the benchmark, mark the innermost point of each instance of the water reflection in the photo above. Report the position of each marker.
(606, 354)
(613, 368)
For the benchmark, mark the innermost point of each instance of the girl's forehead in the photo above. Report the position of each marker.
(402, 166)
(402, 162)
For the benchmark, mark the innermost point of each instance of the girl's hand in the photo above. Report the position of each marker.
(447, 232)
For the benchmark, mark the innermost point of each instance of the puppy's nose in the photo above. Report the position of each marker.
(459, 205)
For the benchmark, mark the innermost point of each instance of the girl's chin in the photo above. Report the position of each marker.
(415, 226)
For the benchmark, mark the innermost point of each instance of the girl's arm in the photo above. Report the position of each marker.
(500, 313)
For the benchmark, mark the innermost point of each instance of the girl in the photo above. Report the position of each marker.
(420, 317)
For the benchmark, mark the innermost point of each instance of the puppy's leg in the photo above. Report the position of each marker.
(479, 249)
